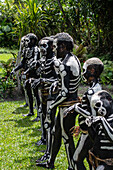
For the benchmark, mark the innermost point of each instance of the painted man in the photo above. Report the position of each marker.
(69, 72)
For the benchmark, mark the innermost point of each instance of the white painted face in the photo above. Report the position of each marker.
(43, 47)
(55, 46)
(27, 42)
(98, 105)
(22, 43)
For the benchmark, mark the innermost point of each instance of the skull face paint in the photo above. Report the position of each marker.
(100, 109)
(22, 43)
(27, 42)
(102, 103)
(43, 47)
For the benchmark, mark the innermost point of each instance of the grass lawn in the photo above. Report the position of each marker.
(19, 135)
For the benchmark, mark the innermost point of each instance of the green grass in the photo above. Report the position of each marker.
(18, 137)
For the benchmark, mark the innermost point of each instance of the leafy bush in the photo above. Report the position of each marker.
(80, 51)
(107, 75)
(6, 81)
(8, 65)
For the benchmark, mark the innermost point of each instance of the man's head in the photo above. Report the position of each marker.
(22, 42)
(46, 46)
(30, 40)
(92, 69)
(102, 103)
(63, 43)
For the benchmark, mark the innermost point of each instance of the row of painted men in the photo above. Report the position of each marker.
(52, 68)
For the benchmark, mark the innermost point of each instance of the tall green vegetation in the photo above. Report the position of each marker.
(7, 35)
(30, 17)
(103, 20)
(88, 21)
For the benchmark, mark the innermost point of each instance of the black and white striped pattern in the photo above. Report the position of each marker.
(48, 73)
(103, 138)
(69, 71)
(86, 104)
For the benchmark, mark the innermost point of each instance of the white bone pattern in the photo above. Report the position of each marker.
(61, 68)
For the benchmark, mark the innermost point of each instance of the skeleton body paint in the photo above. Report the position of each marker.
(84, 109)
(30, 54)
(101, 129)
(65, 64)
(48, 76)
